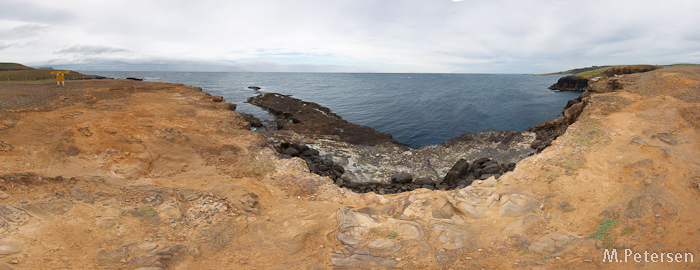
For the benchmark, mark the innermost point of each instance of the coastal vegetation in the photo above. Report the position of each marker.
(13, 72)
(576, 70)
(610, 71)
(149, 175)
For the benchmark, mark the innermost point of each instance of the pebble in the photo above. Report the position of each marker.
(557, 258)
(659, 229)
(587, 260)
(468, 258)
(242, 262)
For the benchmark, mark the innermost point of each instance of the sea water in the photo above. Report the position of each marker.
(417, 109)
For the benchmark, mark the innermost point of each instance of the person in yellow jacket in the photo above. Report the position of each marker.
(60, 80)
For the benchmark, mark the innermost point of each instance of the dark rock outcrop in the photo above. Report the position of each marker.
(547, 132)
(309, 118)
(254, 87)
(456, 172)
(370, 163)
(254, 121)
(401, 178)
(317, 164)
(570, 83)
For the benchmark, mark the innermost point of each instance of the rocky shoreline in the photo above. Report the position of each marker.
(371, 161)
(120, 174)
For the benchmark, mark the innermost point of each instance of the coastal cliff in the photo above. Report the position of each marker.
(140, 175)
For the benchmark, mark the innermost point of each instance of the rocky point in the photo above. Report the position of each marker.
(122, 174)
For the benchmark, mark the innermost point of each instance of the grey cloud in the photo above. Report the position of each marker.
(26, 11)
(27, 30)
(384, 35)
(141, 63)
(91, 50)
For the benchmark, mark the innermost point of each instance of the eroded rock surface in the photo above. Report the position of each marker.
(168, 179)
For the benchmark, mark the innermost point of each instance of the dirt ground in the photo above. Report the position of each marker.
(116, 174)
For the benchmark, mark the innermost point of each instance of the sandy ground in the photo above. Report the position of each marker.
(115, 174)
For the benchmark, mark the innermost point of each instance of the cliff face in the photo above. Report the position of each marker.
(129, 175)
(570, 83)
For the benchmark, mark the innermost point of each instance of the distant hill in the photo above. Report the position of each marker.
(576, 70)
(14, 72)
(609, 71)
(13, 66)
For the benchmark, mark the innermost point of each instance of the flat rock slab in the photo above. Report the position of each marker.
(555, 244)
(10, 247)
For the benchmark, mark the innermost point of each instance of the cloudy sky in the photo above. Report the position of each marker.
(468, 36)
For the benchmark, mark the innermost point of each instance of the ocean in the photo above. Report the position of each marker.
(417, 109)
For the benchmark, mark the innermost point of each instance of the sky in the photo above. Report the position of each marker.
(426, 36)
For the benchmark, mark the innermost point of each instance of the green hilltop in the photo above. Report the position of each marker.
(14, 72)
(609, 71)
(13, 66)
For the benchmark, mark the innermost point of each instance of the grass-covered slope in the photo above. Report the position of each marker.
(13, 66)
(13, 72)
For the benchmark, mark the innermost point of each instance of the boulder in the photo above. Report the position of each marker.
(402, 178)
(423, 181)
(456, 172)
(254, 121)
(491, 169)
(254, 87)
(291, 151)
(217, 98)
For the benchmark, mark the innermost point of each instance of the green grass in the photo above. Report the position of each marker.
(577, 70)
(147, 212)
(589, 133)
(13, 72)
(604, 229)
(391, 235)
(13, 66)
(574, 165)
(604, 233)
(590, 74)
(609, 71)
(627, 230)
(33, 75)
(682, 64)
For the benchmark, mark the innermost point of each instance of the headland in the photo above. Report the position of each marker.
(143, 175)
